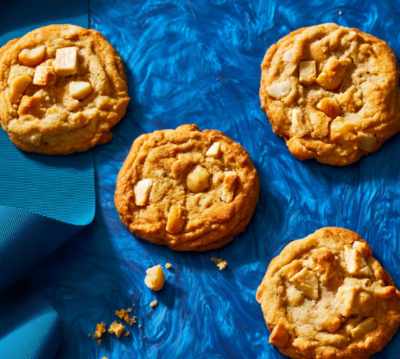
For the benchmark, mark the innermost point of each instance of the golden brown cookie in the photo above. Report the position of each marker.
(188, 189)
(62, 89)
(326, 296)
(331, 93)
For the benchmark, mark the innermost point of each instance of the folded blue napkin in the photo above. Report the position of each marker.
(43, 201)
(29, 328)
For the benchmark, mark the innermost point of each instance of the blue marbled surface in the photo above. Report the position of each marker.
(198, 61)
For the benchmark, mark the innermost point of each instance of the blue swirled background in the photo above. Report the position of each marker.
(198, 61)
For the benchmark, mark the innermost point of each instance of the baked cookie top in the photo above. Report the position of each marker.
(326, 296)
(188, 189)
(331, 93)
(62, 89)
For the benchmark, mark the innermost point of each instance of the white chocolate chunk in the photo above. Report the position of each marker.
(80, 89)
(142, 191)
(307, 282)
(345, 300)
(299, 126)
(307, 72)
(175, 219)
(198, 180)
(18, 86)
(214, 150)
(44, 74)
(294, 296)
(330, 323)
(66, 62)
(228, 186)
(31, 104)
(71, 104)
(354, 297)
(355, 262)
(279, 89)
(319, 123)
(336, 340)
(363, 328)
(55, 114)
(155, 278)
(351, 260)
(104, 103)
(32, 57)
(333, 73)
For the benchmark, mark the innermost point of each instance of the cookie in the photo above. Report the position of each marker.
(188, 189)
(62, 89)
(331, 93)
(326, 296)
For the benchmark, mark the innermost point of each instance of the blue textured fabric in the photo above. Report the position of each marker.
(199, 61)
(25, 239)
(43, 201)
(31, 331)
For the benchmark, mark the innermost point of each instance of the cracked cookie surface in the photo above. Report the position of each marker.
(188, 189)
(326, 296)
(62, 89)
(331, 93)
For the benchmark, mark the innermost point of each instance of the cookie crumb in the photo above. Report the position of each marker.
(155, 278)
(221, 263)
(99, 331)
(153, 303)
(168, 265)
(116, 328)
(123, 314)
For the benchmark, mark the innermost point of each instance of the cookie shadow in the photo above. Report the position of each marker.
(380, 165)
